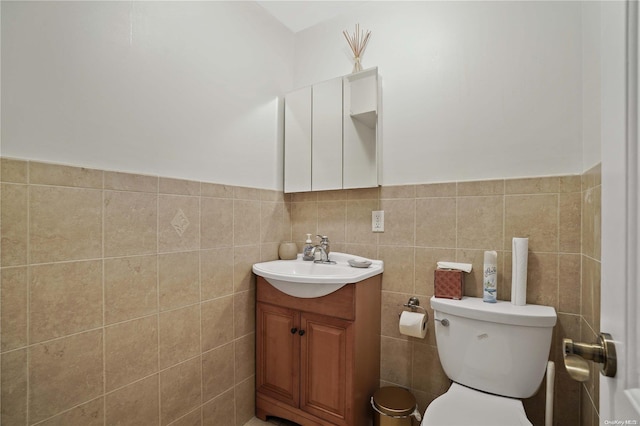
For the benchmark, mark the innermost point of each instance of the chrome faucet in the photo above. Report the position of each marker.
(324, 248)
(324, 257)
(324, 243)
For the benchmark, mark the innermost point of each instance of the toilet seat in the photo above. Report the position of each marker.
(463, 406)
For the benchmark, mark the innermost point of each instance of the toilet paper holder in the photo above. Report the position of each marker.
(414, 305)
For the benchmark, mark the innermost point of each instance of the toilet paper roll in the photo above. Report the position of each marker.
(413, 324)
(519, 256)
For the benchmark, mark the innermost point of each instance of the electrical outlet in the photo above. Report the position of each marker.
(377, 221)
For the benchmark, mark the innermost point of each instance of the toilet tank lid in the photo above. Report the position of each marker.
(502, 312)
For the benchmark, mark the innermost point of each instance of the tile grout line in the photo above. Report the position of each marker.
(582, 254)
(104, 330)
(415, 239)
(157, 270)
(28, 290)
(233, 292)
(558, 230)
(67, 410)
(200, 303)
(455, 200)
(503, 238)
(1, 185)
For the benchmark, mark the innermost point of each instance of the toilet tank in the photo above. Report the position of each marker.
(494, 347)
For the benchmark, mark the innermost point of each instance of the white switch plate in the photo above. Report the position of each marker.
(377, 221)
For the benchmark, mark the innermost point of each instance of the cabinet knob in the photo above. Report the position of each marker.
(293, 330)
(301, 332)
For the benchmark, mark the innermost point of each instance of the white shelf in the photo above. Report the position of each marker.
(363, 87)
(368, 118)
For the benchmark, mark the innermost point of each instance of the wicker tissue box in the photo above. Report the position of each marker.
(448, 284)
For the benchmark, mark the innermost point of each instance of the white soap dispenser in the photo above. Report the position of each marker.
(308, 247)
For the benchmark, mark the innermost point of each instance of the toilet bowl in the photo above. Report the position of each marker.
(463, 406)
(495, 354)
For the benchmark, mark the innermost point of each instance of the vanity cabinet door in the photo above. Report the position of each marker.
(278, 352)
(311, 376)
(326, 363)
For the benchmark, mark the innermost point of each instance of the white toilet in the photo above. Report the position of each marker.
(495, 354)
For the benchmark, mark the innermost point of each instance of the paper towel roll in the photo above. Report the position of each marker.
(413, 324)
(519, 257)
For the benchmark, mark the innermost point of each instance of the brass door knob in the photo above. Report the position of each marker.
(602, 352)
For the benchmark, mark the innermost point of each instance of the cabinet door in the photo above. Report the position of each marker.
(278, 353)
(326, 140)
(297, 140)
(326, 358)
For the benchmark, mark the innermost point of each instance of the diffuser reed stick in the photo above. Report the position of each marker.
(357, 42)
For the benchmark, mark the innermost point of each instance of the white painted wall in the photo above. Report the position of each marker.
(591, 79)
(184, 89)
(471, 90)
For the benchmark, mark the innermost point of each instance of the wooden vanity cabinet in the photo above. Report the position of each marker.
(318, 360)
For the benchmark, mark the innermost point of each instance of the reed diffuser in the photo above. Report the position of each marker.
(357, 42)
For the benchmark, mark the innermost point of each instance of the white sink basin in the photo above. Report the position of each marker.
(307, 279)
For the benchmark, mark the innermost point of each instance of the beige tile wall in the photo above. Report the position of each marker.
(589, 326)
(129, 299)
(458, 222)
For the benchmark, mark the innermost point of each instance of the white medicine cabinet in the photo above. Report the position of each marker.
(331, 134)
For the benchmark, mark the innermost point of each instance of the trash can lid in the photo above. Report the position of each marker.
(394, 401)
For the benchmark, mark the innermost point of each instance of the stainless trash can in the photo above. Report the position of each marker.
(394, 406)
